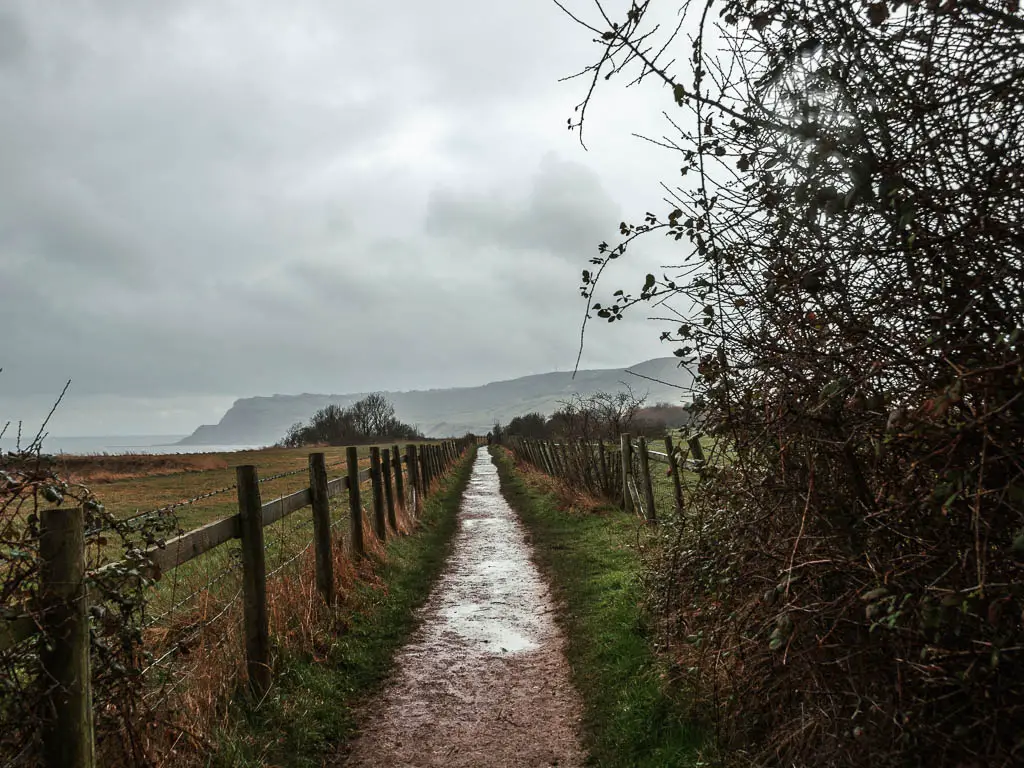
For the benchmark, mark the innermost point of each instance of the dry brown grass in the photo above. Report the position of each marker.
(192, 705)
(569, 498)
(109, 468)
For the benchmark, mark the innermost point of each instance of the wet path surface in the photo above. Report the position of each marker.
(484, 682)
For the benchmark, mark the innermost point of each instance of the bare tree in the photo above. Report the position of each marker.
(601, 415)
(369, 418)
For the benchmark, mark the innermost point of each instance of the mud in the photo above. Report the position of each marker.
(484, 682)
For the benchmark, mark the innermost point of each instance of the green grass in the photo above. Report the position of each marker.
(630, 718)
(313, 707)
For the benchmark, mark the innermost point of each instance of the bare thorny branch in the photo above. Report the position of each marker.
(850, 294)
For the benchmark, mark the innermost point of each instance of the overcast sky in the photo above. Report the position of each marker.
(210, 199)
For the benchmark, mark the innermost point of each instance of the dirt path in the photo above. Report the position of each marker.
(484, 682)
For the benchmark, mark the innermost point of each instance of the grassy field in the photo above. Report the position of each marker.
(590, 557)
(131, 484)
(134, 483)
(315, 704)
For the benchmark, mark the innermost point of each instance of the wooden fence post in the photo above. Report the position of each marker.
(355, 507)
(254, 580)
(673, 465)
(421, 469)
(396, 462)
(556, 458)
(414, 479)
(563, 459)
(626, 448)
(586, 458)
(695, 449)
(540, 459)
(606, 486)
(376, 483)
(645, 471)
(321, 526)
(389, 496)
(424, 470)
(68, 726)
(549, 452)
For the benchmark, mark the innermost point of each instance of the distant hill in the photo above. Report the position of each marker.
(447, 412)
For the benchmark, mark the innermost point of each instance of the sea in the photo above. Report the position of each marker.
(120, 444)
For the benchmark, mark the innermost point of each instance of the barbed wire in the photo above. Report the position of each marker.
(177, 504)
(201, 497)
(233, 569)
(283, 474)
(291, 560)
(193, 634)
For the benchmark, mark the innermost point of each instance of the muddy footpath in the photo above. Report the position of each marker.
(484, 681)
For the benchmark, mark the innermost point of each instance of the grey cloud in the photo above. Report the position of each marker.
(205, 199)
(13, 41)
(566, 211)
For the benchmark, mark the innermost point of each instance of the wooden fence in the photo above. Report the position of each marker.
(620, 473)
(65, 656)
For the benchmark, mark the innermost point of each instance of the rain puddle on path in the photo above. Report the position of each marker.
(484, 682)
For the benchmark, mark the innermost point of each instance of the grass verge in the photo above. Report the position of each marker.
(312, 710)
(591, 561)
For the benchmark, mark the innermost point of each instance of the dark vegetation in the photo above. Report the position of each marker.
(845, 589)
(590, 555)
(600, 416)
(367, 420)
(30, 483)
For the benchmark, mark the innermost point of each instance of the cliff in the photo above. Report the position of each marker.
(446, 412)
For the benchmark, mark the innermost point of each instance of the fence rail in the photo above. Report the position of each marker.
(625, 479)
(397, 482)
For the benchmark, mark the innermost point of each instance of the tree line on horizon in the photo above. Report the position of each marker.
(599, 416)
